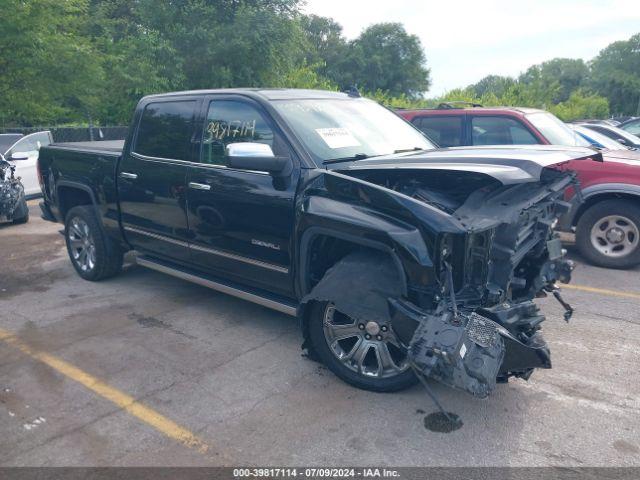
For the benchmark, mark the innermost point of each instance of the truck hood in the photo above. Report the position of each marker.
(509, 164)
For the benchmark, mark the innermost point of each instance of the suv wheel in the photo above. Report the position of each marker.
(608, 234)
(367, 355)
(94, 255)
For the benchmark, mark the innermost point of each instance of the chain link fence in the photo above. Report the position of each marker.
(75, 134)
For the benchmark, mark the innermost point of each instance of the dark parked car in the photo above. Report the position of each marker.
(397, 258)
(607, 222)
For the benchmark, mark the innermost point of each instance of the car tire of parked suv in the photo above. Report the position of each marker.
(318, 338)
(608, 234)
(94, 255)
(24, 218)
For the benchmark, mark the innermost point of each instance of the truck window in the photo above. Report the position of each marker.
(165, 130)
(487, 130)
(230, 121)
(445, 131)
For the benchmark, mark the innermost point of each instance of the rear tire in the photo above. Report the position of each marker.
(608, 234)
(94, 255)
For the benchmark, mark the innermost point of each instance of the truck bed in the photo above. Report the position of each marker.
(106, 146)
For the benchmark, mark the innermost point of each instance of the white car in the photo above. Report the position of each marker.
(22, 152)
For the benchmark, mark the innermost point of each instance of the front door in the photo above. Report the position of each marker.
(152, 178)
(24, 156)
(241, 221)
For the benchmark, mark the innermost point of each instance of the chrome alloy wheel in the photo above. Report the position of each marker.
(370, 349)
(81, 244)
(615, 236)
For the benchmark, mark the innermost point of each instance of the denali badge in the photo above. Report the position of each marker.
(260, 243)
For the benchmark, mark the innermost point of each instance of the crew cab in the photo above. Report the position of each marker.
(606, 219)
(399, 259)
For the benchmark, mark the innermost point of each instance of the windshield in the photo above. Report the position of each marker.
(334, 129)
(555, 131)
(7, 140)
(597, 139)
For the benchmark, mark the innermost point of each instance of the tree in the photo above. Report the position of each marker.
(48, 71)
(616, 75)
(495, 84)
(558, 77)
(385, 57)
(326, 47)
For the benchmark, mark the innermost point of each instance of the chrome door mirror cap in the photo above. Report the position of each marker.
(249, 149)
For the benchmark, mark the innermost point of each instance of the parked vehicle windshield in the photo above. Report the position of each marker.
(597, 139)
(344, 128)
(7, 141)
(555, 131)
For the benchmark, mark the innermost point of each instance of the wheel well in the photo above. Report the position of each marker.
(69, 197)
(323, 253)
(592, 200)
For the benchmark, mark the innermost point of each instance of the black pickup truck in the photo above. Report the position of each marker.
(399, 259)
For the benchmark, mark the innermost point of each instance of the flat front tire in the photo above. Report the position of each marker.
(608, 234)
(93, 255)
(366, 355)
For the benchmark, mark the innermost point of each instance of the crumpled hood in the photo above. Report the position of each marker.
(507, 164)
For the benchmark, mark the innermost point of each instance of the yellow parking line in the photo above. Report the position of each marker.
(122, 400)
(601, 291)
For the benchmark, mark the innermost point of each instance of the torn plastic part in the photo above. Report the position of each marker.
(359, 286)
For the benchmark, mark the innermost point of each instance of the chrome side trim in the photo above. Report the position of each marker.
(251, 297)
(258, 263)
(156, 236)
(220, 253)
(173, 161)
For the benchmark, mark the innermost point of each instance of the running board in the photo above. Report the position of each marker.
(153, 264)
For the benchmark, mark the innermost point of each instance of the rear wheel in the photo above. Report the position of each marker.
(608, 234)
(94, 255)
(367, 355)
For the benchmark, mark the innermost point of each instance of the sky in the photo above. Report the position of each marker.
(465, 41)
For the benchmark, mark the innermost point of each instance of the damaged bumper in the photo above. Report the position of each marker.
(471, 351)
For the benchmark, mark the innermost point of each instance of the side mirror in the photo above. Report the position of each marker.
(19, 156)
(258, 157)
(623, 141)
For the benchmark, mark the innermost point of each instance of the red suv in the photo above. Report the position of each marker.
(606, 223)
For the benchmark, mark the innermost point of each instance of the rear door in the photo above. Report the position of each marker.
(152, 178)
(241, 220)
(444, 130)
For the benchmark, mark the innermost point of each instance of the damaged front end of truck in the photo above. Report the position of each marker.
(13, 205)
(474, 238)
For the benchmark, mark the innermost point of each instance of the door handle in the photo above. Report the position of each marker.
(131, 176)
(199, 186)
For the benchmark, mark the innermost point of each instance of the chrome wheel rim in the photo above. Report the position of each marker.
(370, 349)
(615, 236)
(81, 244)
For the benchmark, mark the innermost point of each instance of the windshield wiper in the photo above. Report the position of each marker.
(357, 156)
(414, 149)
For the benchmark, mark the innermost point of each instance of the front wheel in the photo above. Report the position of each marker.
(94, 255)
(367, 355)
(608, 234)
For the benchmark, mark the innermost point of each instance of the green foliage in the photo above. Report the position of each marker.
(615, 74)
(73, 61)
